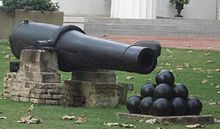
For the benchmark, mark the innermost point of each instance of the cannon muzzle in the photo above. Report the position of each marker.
(76, 50)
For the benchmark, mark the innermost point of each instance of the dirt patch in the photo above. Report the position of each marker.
(206, 43)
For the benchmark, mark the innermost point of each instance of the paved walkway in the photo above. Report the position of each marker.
(207, 43)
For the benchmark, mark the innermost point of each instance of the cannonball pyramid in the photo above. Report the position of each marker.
(165, 98)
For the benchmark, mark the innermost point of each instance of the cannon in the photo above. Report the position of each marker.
(76, 50)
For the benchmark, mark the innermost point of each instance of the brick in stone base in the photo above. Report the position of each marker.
(52, 102)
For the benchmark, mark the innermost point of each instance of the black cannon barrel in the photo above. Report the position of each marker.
(76, 50)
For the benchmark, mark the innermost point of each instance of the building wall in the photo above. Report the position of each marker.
(140, 9)
(82, 8)
(196, 9)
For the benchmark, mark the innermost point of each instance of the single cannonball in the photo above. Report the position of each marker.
(194, 106)
(133, 104)
(147, 90)
(161, 107)
(163, 91)
(180, 90)
(165, 76)
(145, 105)
(179, 106)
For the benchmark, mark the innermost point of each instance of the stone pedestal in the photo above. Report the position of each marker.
(38, 81)
(98, 87)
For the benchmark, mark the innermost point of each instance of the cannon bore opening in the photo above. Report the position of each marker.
(146, 61)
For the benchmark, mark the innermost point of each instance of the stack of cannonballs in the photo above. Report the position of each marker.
(164, 99)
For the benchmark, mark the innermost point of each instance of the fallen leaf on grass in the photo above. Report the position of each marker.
(207, 54)
(141, 120)
(204, 81)
(120, 125)
(7, 56)
(127, 126)
(167, 64)
(111, 124)
(29, 120)
(187, 65)
(4, 52)
(216, 120)
(210, 61)
(213, 103)
(217, 87)
(30, 109)
(3, 117)
(179, 69)
(218, 92)
(195, 126)
(197, 69)
(209, 71)
(168, 50)
(209, 76)
(171, 56)
(34, 121)
(24, 119)
(160, 67)
(151, 121)
(129, 78)
(12, 58)
(189, 52)
(80, 119)
(159, 128)
(133, 92)
(66, 117)
(212, 84)
(217, 70)
(149, 79)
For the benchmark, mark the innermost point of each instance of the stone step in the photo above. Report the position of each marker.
(161, 27)
(146, 21)
(103, 27)
(72, 20)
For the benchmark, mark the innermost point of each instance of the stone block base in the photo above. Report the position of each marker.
(196, 119)
(71, 93)
(38, 81)
(94, 94)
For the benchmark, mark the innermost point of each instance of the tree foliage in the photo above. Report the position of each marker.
(39, 5)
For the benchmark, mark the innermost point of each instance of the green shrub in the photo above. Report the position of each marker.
(180, 1)
(39, 5)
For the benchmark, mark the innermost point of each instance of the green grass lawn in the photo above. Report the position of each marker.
(199, 70)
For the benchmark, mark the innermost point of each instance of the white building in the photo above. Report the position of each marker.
(138, 9)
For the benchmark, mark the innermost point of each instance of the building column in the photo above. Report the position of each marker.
(134, 9)
(217, 10)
